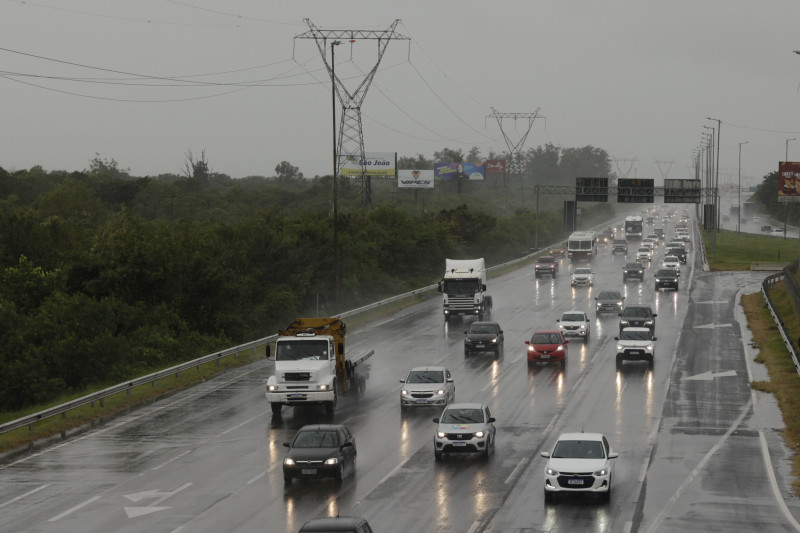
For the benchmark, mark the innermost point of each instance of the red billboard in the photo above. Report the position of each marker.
(496, 166)
(788, 181)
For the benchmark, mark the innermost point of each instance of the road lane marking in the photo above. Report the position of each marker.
(73, 509)
(709, 376)
(165, 463)
(521, 465)
(237, 426)
(9, 502)
(713, 326)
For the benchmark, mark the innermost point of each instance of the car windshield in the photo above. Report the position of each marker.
(425, 376)
(573, 317)
(316, 439)
(578, 449)
(670, 259)
(583, 270)
(546, 338)
(462, 416)
(634, 266)
(636, 312)
(666, 273)
(609, 296)
(316, 350)
(628, 335)
(545, 260)
(483, 328)
(644, 250)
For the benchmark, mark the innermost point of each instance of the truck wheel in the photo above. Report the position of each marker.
(276, 408)
(330, 407)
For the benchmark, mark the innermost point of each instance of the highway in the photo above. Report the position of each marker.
(699, 450)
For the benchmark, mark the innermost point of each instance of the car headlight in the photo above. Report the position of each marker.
(598, 305)
(272, 388)
(620, 347)
(601, 472)
(658, 280)
(624, 322)
(479, 434)
(440, 392)
(561, 326)
(494, 341)
(323, 387)
(648, 323)
(332, 461)
(550, 471)
(404, 392)
(560, 348)
(440, 434)
(583, 326)
(288, 461)
(619, 304)
(649, 347)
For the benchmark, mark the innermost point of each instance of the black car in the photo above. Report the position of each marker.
(619, 245)
(609, 302)
(666, 278)
(320, 450)
(637, 316)
(633, 270)
(483, 337)
(331, 524)
(677, 251)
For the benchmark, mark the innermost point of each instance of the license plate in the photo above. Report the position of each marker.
(459, 444)
(422, 401)
(636, 352)
(309, 471)
(575, 482)
(480, 346)
(297, 396)
(545, 356)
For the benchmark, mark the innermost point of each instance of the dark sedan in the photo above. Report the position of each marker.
(609, 302)
(666, 278)
(483, 337)
(320, 450)
(633, 270)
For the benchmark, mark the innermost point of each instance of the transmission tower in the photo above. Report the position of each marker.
(668, 164)
(350, 143)
(629, 162)
(515, 149)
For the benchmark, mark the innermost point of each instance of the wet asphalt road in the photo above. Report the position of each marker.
(690, 433)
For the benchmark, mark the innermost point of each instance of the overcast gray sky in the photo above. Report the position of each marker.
(143, 82)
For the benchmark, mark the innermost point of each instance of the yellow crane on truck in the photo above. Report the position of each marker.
(311, 365)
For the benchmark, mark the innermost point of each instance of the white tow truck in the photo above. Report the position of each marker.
(311, 366)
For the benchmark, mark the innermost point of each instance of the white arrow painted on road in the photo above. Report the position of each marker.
(133, 512)
(713, 326)
(708, 376)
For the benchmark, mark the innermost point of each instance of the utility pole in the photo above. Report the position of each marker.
(668, 164)
(738, 222)
(629, 162)
(335, 188)
(351, 136)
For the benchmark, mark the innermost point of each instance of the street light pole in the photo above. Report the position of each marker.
(716, 187)
(335, 188)
(738, 222)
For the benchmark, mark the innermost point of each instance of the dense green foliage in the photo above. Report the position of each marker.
(105, 276)
(767, 195)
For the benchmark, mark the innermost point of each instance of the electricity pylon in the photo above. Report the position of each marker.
(664, 173)
(515, 149)
(631, 162)
(350, 142)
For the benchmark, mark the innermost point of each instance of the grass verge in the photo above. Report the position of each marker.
(784, 382)
(736, 251)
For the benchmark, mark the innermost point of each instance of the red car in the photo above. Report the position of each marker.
(546, 346)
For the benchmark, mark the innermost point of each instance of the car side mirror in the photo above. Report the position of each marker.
(286, 444)
(619, 314)
(402, 381)
(436, 420)
(587, 320)
(655, 338)
(465, 332)
(527, 342)
(566, 341)
(613, 455)
(346, 444)
(450, 380)
(545, 454)
(558, 320)
(616, 338)
(655, 315)
(491, 419)
(500, 332)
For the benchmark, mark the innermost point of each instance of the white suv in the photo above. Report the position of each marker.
(635, 344)
(579, 462)
(464, 428)
(582, 276)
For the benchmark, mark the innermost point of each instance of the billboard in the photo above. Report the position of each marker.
(788, 181)
(496, 166)
(681, 191)
(376, 163)
(415, 179)
(591, 189)
(448, 171)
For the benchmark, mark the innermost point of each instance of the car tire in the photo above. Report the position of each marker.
(330, 407)
(466, 353)
(619, 361)
(287, 480)
(549, 497)
(650, 361)
(437, 456)
(339, 475)
(276, 408)
(487, 449)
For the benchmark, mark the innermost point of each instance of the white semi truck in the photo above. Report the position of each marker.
(464, 289)
(311, 367)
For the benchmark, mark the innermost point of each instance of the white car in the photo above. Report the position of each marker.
(574, 324)
(644, 254)
(582, 276)
(579, 462)
(464, 428)
(672, 262)
(427, 386)
(635, 344)
(650, 243)
(777, 231)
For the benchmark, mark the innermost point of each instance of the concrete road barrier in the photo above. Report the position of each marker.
(768, 266)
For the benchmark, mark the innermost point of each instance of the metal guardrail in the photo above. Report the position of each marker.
(771, 280)
(99, 396)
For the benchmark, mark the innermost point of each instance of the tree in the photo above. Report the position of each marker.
(286, 173)
(199, 171)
